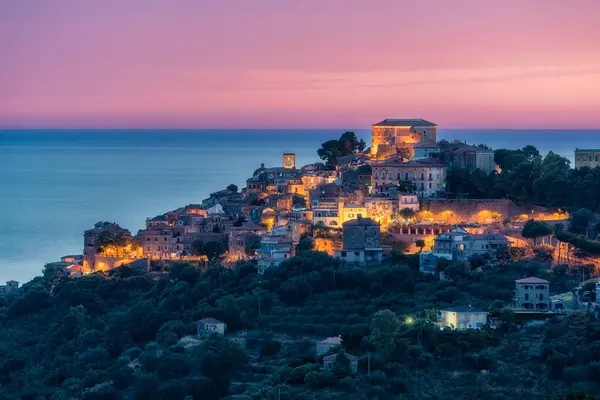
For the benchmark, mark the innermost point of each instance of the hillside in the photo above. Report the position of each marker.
(131, 336)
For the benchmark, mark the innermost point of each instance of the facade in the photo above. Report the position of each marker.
(325, 346)
(459, 318)
(472, 158)
(425, 150)
(329, 362)
(207, 326)
(298, 228)
(9, 287)
(428, 177)
(428, 261)
(361, 239)
(289, 160)
(94, 243)
(326, 216)
(532, 294)
(157, 242)
(461, 245)
(408, 200)
(273, 251)
(352, 211)
(392, 136)
(587, 158)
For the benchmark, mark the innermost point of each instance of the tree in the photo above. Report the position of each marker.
(346, 145)
(580, 220)
(212, 250)
(251, 244)
(232, 188)
(239, 221)
(405, 186)
(306, 243)
(535, 229)
(420, 243)
(330, 152)
(385, 326)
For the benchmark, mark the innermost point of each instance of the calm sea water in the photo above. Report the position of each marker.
(55, 184)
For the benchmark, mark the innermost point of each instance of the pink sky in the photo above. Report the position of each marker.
(310, 63)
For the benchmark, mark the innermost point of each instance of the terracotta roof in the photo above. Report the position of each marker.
(532, 279)
(332, 340)
(404, 122)
(426, 145)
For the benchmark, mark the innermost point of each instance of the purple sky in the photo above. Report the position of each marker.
(310, 63)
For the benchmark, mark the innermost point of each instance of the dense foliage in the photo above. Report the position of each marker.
(130, 335)
(346, 145)
(528, 178)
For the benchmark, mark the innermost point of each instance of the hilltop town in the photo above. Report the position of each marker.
(382, 272)
(359, 205)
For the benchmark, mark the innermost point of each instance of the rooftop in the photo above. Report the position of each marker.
(405, 122)
(532, 279)
(332, 340)
(426, 145)
(424, 163)
(361, 222)
(595, 150)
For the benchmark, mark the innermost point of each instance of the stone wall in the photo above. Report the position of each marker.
(472, 210)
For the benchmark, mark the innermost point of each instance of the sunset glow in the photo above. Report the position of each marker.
(260, 63)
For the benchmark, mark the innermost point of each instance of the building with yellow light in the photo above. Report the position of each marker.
(392, 136)
(460, 318)
(428, 177)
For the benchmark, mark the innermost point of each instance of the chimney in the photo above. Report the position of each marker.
(262, 165)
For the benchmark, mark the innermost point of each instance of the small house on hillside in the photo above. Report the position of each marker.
(532, 293)
(329, 362)
(207, 326)
(466, 317)
(325, 346)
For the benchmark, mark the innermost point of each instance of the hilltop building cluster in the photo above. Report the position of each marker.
(396, 188)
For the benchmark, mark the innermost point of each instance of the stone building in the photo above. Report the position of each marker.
(587, 158)
(532, 294)
(472, 158)
(361, 240)
(392, 136)
(428, 177)
(289, 160)
(156, 242)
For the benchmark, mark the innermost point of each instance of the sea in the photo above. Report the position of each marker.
(54, 184)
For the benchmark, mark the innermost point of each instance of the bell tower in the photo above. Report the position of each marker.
(289, 160)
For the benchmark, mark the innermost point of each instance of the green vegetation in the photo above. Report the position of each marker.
(346, 145)
(527, 178)
(130, 335)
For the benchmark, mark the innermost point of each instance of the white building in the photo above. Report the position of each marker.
(459, 318)
(207, 326)
(425, 150)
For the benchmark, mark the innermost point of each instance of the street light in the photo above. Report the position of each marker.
(409, 321)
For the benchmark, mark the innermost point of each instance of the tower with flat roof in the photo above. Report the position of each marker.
(289, 160)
